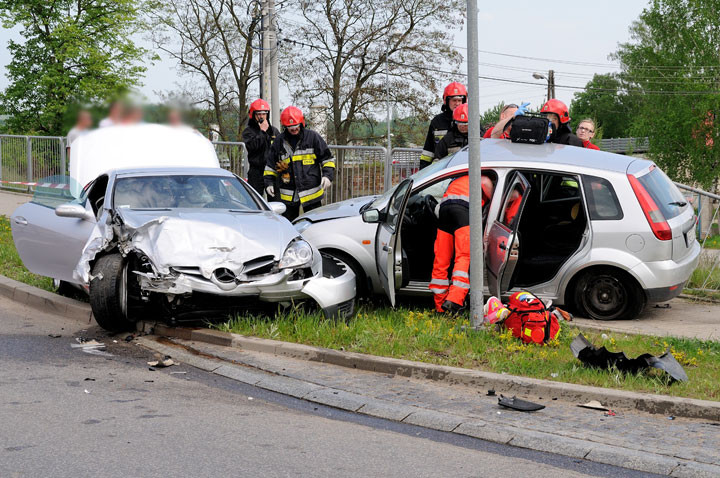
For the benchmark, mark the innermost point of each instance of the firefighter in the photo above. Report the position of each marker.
(258, 136)
(454, 95)
(559, 115)
(457, 137)
(453, 239)
(302, 162)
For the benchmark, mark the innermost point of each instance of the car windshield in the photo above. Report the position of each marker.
(165, 192)
(418, 178)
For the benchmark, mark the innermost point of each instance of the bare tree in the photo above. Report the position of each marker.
(336, 55)
(212, 41)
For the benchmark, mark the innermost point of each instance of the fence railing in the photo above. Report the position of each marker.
(705, 280)
(29, 158)
(625, 145)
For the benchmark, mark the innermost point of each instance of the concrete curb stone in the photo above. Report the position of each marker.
(575, 448)
(44, 300)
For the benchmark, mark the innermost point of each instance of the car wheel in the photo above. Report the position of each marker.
(608, 294)
(109, 293)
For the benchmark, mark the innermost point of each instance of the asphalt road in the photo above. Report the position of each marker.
(69, 413)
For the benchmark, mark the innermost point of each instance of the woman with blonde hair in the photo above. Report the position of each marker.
(586, 132)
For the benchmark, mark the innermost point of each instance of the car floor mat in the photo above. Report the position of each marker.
(519, 404)
(601, 357)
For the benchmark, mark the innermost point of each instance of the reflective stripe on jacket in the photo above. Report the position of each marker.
(306, 165)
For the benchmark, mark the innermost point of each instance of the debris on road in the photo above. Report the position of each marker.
(54, 336)
(165, 362)
(92, 347)
(86, 391)
(601, 357)
(594, 405)
(177, 373)
(88, 379)
(491, 393)
(519, 404)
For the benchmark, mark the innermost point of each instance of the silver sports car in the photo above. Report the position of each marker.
(172, 241)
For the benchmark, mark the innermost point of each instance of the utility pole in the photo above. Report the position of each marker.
(269, 63)
(477, 261)
(551, 84)
(388, 159)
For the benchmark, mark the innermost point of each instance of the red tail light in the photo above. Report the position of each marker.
(654, 216)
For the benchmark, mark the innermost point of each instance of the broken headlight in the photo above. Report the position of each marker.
(298, 254)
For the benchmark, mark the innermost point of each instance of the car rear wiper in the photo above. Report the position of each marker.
(678, 203)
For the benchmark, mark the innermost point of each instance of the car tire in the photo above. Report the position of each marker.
(607, 293)
(109, 293)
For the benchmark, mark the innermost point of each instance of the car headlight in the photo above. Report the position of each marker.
(301, 225)
(298, 254)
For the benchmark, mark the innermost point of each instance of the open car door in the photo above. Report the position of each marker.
(388, 248)
(503, 241)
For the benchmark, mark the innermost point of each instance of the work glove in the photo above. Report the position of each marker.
(325, 183)
(523, 108)
(270, 190)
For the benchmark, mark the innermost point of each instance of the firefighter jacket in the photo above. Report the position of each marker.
(451, 143)
(439, 127)
(257, 142)
(298, 170)
(565, 136)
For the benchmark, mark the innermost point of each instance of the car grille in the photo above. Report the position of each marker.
(259, 266)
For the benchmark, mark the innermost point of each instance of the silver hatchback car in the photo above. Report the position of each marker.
(601, 233)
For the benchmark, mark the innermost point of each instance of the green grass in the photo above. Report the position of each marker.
(712, 242)
(699, 278)
(10, 264)
(425, 336)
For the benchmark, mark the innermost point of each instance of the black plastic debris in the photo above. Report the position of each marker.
(54, 336)
(601, 357)
(519, 404)
(491, 393)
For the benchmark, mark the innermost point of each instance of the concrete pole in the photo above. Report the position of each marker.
(265, 52)
(274, 93)
(477, 261)
(551, 84)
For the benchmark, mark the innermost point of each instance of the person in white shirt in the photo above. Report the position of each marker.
(82, 126)
(115, 115)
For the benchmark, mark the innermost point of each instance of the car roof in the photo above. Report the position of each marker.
(170, 171)
(502, 152)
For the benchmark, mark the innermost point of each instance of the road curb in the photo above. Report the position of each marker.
(437, 420)
(44, 300)
(505, 384)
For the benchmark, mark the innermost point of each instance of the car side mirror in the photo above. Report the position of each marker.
(277, 207)
(371, 215)
(74, 210)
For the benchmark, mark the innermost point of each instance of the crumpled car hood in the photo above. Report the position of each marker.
(347, 208)
(196, 238)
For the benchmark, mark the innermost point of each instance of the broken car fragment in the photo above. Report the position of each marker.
(601, 357)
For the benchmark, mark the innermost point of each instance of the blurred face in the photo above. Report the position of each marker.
(454, 102)
(585, 131)
(508, 113)
(84, 120)
(294, 129)
(260, 116)
(462, 127)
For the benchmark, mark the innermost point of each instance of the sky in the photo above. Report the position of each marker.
(572, 38)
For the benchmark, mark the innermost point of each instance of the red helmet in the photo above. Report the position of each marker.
(455, 89)
(557, 107)
(292, 116)
(258, 106)
(460, 115)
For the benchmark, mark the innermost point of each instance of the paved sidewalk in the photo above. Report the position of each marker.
(10, 201)
(681, 447)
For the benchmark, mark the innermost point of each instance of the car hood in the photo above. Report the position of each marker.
(347, 208)
(207, 240)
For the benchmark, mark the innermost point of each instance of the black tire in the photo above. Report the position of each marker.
(361, 281)
(606, 293)
(109, 293)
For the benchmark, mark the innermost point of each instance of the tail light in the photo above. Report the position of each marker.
(654, 216)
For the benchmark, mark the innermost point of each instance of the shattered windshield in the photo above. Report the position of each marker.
(165, 192)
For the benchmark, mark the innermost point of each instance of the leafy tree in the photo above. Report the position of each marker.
(336, 56)
(672, 62)
(606, 101)
(73, 51)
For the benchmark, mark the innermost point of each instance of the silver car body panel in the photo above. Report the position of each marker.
(615, 243)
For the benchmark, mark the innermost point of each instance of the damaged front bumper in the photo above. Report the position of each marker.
(333, 292)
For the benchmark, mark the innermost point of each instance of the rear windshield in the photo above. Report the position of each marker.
(667, 197)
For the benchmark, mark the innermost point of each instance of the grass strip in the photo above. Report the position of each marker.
(425, 336)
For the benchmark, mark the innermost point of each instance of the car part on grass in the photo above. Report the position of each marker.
(519, 404)
(601, 357)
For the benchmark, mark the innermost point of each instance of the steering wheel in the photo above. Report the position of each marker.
(429, 205)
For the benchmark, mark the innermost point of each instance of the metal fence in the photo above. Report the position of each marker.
(705, 280)
(29, 158)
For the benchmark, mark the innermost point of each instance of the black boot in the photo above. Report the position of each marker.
(452, 308)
